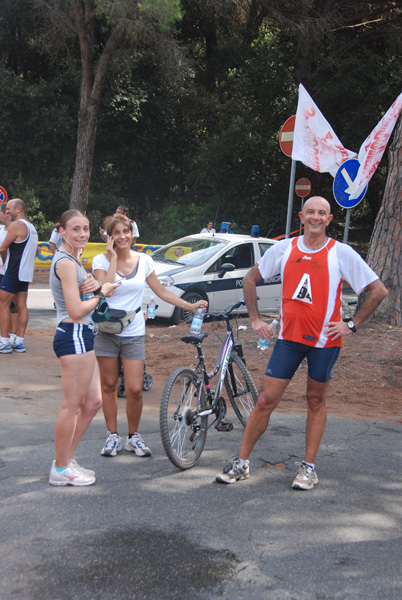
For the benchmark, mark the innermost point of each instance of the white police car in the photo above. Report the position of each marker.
(211, 267)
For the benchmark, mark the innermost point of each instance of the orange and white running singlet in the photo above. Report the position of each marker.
(312, 286)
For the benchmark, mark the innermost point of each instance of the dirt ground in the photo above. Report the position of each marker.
(367, 378)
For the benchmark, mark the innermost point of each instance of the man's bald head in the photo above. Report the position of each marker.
(317, 202)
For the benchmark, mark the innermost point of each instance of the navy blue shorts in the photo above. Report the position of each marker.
(287, 356)
(13, 286)
(73, 338)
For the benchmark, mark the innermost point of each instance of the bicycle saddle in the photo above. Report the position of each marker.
(194, 339)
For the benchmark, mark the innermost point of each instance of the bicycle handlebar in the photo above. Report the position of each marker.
(225, 314)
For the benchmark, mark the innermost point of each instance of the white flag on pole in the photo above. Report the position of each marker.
(315, 143)
(373, 148)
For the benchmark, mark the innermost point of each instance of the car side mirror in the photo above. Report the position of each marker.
(225, 268)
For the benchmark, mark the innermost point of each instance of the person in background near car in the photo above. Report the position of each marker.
(56, 239)
(209, 228)
(73, 344)
(132, 270)
(21, 242)
(312, 269)
(123, 210)
(5, 220)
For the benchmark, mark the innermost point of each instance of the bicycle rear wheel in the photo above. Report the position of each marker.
(183, 432)
(240, 388)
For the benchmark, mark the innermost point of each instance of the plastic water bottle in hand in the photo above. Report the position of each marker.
(197, 321)
(151, 308)
(86, 296)
(262, 343)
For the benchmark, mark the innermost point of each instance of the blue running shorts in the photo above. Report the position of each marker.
(287, 356)
(13, 286)
(73, 338)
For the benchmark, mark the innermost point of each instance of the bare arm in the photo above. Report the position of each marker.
(376, 294)
(109, 275)
(167, 296)
(11, 236)
(76, 307)
(250, 295)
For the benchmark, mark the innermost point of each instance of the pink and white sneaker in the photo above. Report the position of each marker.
(70, 476)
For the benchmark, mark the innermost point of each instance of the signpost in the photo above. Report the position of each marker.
(286, 144)
(3, 195)
(303, 187)
(343, 188)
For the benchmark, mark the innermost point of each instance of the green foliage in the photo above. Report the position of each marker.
(180, 146)
(33, 213)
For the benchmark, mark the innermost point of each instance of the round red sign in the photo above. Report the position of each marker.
(3, 195)
(303, 187)
(286, 136)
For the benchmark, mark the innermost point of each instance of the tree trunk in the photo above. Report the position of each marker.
(92, 84)
(384, 255)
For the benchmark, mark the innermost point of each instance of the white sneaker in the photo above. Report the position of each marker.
(12, 337)
(113, 445)
(5, 348)
(78, 467)
(136, 444)
(70, 476)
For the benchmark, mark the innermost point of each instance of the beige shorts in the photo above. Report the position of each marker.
(113, 346)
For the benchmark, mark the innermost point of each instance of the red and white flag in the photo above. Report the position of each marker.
(373, 148)
(315, 143)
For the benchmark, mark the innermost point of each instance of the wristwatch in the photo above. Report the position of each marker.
(352, 326)
(102, 295)
(98, 291)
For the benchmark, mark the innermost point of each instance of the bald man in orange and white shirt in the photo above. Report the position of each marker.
(313, 268)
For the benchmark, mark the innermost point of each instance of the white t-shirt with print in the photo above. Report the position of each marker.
(128, 296)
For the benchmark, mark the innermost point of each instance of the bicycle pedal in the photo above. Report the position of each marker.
(225, 426)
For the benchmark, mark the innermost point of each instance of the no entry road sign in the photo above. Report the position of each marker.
(344, 184)
(286, 136)
(3, 195)
(303, 187)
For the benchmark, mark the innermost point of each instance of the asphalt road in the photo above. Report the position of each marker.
(148, 531)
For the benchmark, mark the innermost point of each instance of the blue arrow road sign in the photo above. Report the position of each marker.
(344, 184)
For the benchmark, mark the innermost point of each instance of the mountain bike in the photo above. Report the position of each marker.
(188, 400)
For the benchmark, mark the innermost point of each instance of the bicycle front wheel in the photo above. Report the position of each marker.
(240, 388)
(183, 431)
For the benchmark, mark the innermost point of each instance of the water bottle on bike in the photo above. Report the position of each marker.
(197, 321)
(262, 343)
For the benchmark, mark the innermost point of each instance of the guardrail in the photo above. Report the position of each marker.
(45, 256)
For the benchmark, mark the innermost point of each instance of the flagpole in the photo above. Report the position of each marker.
(290, 198)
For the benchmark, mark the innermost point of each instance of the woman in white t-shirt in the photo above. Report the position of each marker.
(132, 270)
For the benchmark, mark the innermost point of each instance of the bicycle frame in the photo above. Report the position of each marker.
(221, 366)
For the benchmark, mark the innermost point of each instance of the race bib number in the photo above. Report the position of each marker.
(303, 290)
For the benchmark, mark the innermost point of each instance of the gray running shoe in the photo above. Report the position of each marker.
(70, 476)
(237, 469)
(305, 479)
(113, 445)
(136, 444)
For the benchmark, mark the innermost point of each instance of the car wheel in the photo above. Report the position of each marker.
(186, 315)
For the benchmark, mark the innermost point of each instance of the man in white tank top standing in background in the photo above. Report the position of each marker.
(21, 242)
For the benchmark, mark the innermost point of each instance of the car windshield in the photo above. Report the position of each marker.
(189, 251)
